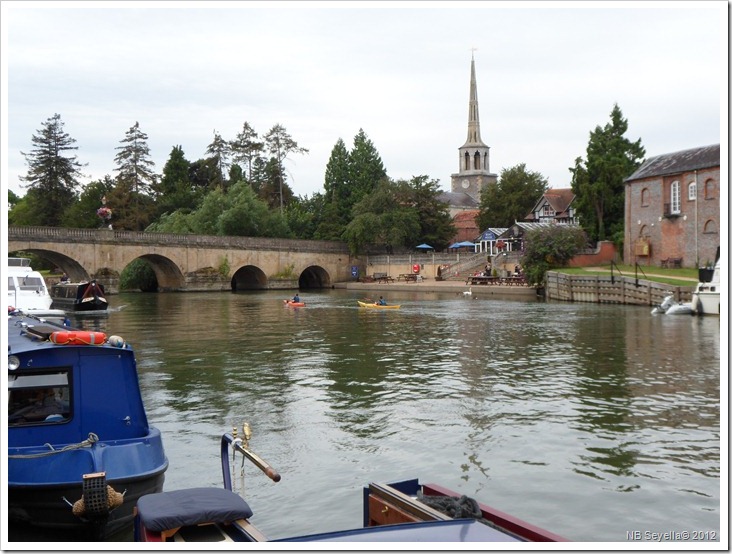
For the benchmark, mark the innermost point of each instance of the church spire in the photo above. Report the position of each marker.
(473, 117)
(474, 173)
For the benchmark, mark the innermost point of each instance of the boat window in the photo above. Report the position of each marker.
(31, 283)
(39, 398)
(11, 283)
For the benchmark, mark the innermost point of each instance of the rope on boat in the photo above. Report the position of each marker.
(456, 508)
(88, 442)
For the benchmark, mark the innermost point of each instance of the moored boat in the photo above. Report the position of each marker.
(404, 511)
(80, 449)
(28, 293)
(378, 306)
(705, 298)
(79, 297)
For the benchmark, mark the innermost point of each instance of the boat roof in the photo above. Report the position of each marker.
(454, 530)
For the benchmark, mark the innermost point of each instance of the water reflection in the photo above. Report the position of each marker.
(586, 419)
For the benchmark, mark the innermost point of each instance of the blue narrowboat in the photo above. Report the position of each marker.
(80, 449)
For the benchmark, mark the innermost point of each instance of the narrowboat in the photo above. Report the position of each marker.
(28, 293)
(80, 449)
(79, 297)
(403, 511)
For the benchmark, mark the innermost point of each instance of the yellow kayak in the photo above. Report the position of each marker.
(379, 306)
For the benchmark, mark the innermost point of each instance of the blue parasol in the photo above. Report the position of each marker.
(424, 247)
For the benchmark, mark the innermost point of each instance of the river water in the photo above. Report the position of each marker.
(592, 421)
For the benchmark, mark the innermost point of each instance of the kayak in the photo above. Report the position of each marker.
(379, 306)
(294, 304)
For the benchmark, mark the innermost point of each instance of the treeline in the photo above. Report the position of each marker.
(239, 188)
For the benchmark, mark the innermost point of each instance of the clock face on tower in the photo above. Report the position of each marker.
(465, 183)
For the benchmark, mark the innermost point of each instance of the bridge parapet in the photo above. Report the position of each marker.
(62, 234)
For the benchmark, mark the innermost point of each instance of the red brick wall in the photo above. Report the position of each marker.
(682, 236)
(603, 255)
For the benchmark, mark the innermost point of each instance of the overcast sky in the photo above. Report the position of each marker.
(547, 73)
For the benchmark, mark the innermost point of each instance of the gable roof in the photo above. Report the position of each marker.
(558, 199)
(678, 162)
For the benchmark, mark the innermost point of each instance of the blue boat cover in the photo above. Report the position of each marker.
(169, 510)
(454, 530)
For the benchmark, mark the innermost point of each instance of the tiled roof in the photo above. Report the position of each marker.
(459, 199)
(678, 162)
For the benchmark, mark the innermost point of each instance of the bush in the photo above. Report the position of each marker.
(549, 248)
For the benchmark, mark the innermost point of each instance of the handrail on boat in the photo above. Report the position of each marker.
(238, 445)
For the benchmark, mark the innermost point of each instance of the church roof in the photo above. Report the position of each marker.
(678, 162)
(459, 199)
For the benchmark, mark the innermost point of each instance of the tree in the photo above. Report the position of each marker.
(598, 183)
(134, 166)
(245, 148)
(384, 218)
(219, 150)
(366, 169)
(83, 213)
(176, 191)
(512, 197)
(132, 199)
(550, 247)
(280, 145)
(13, 199)
(52, 177)
(436, 226)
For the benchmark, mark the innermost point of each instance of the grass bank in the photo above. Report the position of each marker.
(682, 277)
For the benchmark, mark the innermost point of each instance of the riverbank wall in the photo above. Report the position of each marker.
(611, 289)
(450, 287)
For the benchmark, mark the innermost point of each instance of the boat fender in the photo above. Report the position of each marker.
(77, 337)
(117, 342)
(114, 500)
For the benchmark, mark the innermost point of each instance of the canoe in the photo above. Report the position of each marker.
(294, 304)
(379, 306)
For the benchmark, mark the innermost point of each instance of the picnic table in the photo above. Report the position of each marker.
(408, 277)
(385, 279)
(481, 280)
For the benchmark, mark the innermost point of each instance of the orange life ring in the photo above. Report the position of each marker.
(77, 337)
(415, 268)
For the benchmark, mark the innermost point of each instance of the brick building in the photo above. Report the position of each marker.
(672, 209)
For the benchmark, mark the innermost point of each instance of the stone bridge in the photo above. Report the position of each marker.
(188, 262)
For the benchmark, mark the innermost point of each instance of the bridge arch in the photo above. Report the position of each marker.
(314, 277)
(167, 272)
(249, 277)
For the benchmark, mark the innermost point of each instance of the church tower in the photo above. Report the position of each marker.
(474, 173)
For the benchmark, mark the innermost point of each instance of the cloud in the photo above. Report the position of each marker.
(400, 71)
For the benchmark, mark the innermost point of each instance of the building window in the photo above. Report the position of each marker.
(692, 190)
(710, 227)
(709, 190)
(675, 198)
(645, 197)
